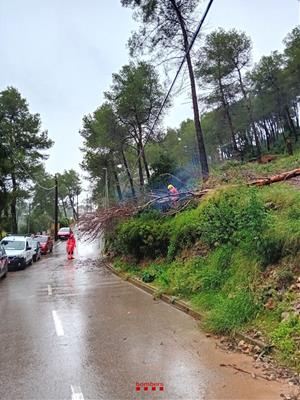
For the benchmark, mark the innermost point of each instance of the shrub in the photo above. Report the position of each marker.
(141, 238)
(232, 216)
(184, 231)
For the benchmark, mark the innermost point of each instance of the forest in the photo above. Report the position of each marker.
(247, 111)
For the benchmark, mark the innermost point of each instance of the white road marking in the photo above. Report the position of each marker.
(76, 393)
(49, 290)
(58, 325)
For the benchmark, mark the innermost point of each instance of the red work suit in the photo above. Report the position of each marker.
(71, 244)
(175, 194)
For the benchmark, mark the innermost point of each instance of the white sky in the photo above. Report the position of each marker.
(60, 54)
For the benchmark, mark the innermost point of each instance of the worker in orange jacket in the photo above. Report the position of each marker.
(71, 244)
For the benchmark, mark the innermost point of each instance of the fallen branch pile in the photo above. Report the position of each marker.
(91, 223)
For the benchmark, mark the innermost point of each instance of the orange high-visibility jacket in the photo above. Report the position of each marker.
(71, 243)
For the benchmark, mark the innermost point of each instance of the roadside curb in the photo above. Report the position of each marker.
(179, 304)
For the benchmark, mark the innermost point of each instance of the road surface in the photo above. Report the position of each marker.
(72, 330)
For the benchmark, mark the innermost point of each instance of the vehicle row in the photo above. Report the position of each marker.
(18, 251)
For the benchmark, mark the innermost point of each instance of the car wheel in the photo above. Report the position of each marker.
(30, 262)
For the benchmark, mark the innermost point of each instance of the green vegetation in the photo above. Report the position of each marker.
(234, 257)
(234, 172)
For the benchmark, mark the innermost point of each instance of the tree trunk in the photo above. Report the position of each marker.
(271, 125)
(119, 191)
(128, 173)
(13, 206)
(249, 109)
(145, 162)
(198, 128)
(267, 134)
(140, 167)
(64, 208)
(75, 216)
(290, 121)
(228, 116)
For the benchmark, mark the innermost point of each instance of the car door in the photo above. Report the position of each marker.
(32, 249)
(28, 251)
(2, 260)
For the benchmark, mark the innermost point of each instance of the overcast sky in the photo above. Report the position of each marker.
(60, 54)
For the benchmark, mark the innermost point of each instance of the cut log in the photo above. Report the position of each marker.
(276, 178)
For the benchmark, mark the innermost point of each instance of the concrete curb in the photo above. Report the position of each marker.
(179, 304)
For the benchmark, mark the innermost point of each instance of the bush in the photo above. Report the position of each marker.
(232, 216)
(184, 231)
(141, 237)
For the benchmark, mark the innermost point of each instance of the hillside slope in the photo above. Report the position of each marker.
(234, 256)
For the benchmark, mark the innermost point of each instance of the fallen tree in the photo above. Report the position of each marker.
(276, 178)
(103, 219)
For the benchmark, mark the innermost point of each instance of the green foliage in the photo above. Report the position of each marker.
(216, 269)
(123, 266)
(141, 238)
(22, 150)
(232, 312)
(183, 232)
(248, 231)
(234, 216)
(284, 337)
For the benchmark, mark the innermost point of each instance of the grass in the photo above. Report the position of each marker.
(227, 257)
(236, 173)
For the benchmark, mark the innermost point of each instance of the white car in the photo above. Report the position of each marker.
(19, 250)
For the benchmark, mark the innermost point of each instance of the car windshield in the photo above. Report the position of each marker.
(64, 229)
(13, 244)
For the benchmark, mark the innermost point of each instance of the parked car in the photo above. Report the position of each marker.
(3, 262)
(37, 249)
(64, 233)
(19, 251)
(46, 243)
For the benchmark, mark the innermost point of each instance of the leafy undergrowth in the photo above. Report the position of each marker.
(235, 258)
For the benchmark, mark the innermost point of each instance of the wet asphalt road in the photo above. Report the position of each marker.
(72, 330)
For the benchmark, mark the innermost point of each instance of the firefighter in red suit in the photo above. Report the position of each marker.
(173, 192)
(71, 244)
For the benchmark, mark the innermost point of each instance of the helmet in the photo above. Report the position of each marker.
(170, 187)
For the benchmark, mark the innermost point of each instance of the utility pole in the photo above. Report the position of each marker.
(29, 216)
(56, 208)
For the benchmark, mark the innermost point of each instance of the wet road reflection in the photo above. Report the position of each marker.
(72, 330)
